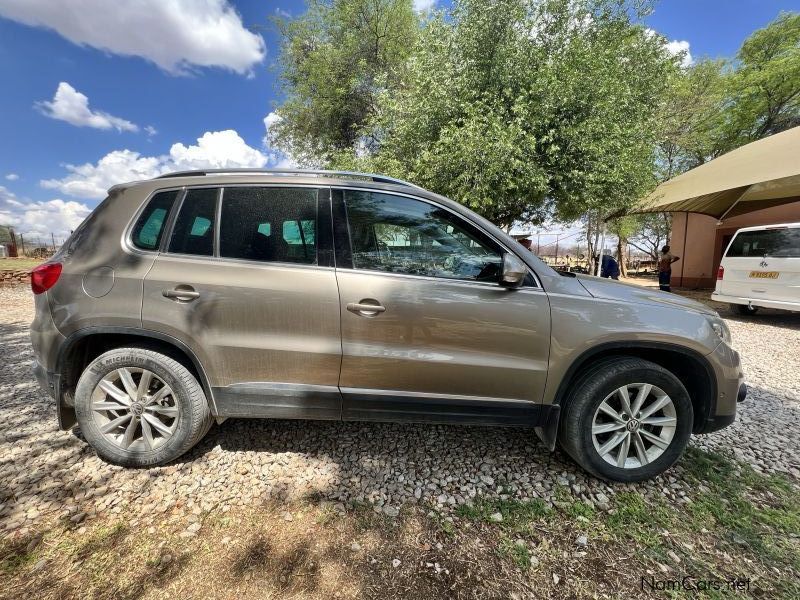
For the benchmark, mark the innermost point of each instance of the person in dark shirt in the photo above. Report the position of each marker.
(609, 269)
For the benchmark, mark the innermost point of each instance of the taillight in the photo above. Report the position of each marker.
(44, 277)
(720, 273)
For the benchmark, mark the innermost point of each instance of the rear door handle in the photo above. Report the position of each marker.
(182, 293)
(366, 308)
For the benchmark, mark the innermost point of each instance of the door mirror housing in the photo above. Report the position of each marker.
(514, 271)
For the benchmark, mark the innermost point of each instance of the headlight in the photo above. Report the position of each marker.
(721, 329)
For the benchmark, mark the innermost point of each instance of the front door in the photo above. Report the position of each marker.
(246, 282)
(428, 334)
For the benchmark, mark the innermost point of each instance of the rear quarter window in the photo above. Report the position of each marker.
(782, 243)
(149, 227)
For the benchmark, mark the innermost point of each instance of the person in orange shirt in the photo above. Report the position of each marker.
(665, 269)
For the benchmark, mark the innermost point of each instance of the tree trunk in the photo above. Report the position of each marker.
(623, 269)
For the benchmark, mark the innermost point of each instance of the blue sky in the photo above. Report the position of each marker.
(94, 99)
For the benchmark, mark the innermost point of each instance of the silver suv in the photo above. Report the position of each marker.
(322, 295)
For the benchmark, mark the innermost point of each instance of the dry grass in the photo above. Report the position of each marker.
(12, 264)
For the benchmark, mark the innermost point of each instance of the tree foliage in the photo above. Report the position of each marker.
(716, 106)
(517, 108)
(335, 60)
(523, 109)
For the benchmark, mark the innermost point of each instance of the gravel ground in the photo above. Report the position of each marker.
(47, 474)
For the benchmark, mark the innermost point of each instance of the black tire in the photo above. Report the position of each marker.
(591, 389)
(193, 421)
(744, 309)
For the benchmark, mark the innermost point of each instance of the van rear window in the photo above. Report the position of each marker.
(784, 243)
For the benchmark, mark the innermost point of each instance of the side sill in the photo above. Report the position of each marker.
(399, 408)
(278, 401)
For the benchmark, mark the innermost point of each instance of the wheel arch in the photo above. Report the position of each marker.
(690, 367)
(84, 345)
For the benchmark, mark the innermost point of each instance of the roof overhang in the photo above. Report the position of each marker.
(758, 175)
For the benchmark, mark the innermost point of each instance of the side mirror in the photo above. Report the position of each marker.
(514, 271)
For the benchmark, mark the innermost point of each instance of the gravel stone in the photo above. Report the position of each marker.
(496, 517)
(48, 474)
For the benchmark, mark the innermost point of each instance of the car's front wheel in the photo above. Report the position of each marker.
(140, 408)
(626, 420)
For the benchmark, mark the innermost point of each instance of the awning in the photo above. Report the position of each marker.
(759, 175)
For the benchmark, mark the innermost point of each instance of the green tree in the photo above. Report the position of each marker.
(692, 118)
(525, 108)
(765, 87)
(715, 106)
(335, 61)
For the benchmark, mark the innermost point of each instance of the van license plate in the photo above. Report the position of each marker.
(764, 274)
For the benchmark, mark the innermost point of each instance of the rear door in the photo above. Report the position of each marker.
(246, 281)
(428, 334)
(763, 263)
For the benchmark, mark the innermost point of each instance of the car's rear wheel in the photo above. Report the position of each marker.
(626, 420)
(744, 309)
(140, 408)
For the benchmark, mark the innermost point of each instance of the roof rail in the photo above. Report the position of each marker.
(313, 172)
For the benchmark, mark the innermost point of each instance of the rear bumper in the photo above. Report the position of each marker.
(759, 302)
(47, 381)
(51, 384)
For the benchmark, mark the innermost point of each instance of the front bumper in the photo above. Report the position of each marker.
(731, 388)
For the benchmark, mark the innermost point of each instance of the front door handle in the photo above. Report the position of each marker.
(182, 293)
(366, 308)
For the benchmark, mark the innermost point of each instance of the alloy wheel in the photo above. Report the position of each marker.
(135, 409)
(634, 425)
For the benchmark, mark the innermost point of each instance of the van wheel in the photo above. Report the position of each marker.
(140, 408)
(627, 420)
(744, 309)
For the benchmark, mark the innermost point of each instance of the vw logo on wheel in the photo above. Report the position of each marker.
(632, 425)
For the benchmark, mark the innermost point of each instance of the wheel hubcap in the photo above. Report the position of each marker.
(634, 425)
(135, 409)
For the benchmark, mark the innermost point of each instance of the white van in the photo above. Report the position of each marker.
(761, 268)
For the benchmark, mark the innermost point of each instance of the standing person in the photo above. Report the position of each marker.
(665, 269)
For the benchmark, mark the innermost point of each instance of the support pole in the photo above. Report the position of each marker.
(602, 249)
(683, 253)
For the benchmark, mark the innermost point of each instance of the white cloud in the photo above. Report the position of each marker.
(275, 158)
(71, 106)
(40, 219)
(176, 35)
(92, 181)
(423, 6)
(676, 47)
(214, 149)
(150, 130)
(12, 176)
(217, 149)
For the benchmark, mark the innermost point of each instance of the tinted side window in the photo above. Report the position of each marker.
(147, 231)
(194, 228)
(402, 235)
(269, 224)
(784, 243)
